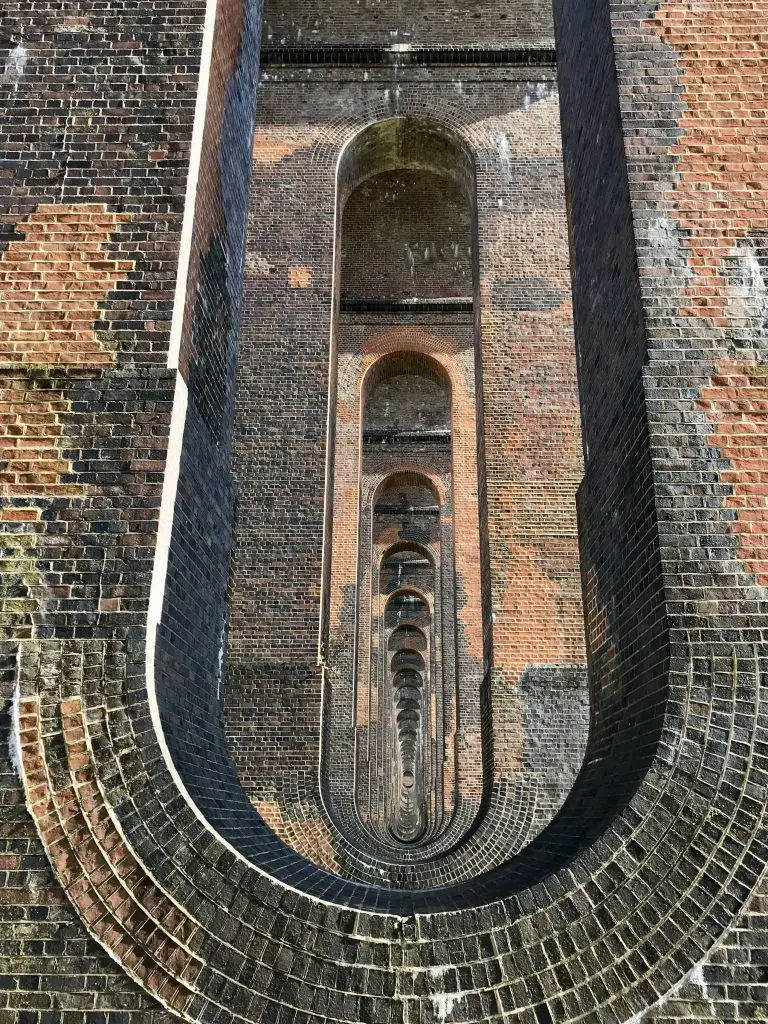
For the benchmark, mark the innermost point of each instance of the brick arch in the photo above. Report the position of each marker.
(428, 601)
(194, 921)
(110, 841)
(417, 361)
(332, 139)
(401, 142)
(413, 473)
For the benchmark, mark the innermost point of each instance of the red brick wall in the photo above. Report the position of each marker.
(485, 23)
(532, 459)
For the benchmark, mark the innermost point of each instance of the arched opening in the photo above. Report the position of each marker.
(420, 245)
(406, 394)
(407, 720)
(404, 547)
(408, 659)
(407, 606)
(405, 470)
(361, 346)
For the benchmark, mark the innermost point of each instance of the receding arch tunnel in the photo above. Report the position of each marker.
(172, 768)
(174, 771)
(414, 570)
(414, 180)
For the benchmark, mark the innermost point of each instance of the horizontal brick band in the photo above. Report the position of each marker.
(404, 55)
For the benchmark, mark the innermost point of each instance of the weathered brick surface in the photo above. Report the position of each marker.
(97, 113)
(484, 23)
(507, 121)
(736, 404)
(692, 138)
(644, 898)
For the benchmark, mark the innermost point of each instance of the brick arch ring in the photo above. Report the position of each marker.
(660, 843)
(475, 829)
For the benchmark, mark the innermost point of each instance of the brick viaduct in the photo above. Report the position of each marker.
(383, 504)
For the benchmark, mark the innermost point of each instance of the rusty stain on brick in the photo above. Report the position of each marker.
(270, 147)
(308, 836)
(52, 282)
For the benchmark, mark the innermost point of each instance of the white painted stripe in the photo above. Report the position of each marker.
(193, 176)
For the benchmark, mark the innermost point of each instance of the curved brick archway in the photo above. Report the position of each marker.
(662, 840)
(518, 805)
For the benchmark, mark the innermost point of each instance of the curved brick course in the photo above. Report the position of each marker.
(687, 847)
(634, 890)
